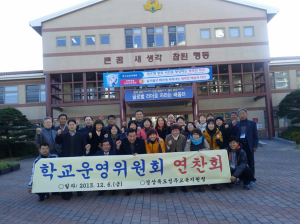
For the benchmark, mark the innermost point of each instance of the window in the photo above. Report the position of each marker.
(90, 40)
(234, 32)
(133, 38)
(155, 37)
(249, 31)
(220, 33)
(75, 41)
(104, 39)
(9, 95)
(61, 42)
(298, 79)
(205, 34)
(279, 122)
(279, 80)
(35, 93)
(176, 35)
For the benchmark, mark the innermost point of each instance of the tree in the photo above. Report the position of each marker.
(290, 107)
(13, 127)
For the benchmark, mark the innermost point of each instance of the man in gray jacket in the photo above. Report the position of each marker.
(46, 134)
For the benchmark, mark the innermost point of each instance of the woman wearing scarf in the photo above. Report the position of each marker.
(161, 127)
(215, 140)
(147, 125)
(155, 145)
(197, 142)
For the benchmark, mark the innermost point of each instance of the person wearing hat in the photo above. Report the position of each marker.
(246, 132)
(47, 135)
(238, 164)
(224, 128)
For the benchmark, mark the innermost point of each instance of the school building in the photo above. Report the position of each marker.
(102, 36)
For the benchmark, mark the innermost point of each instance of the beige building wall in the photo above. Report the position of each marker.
(33, 112)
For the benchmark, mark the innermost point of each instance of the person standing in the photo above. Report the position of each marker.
(88, 121)
(47, 134)
(147, 125)
(96, 136)
(73, 144)
(139, 116)
(155, 145)
(248, 137)
(202, 122)
(224, 128)
(113, 137)
(234, 121)
(111, 121)
(161, 127)
(175, 142)
(131, 145)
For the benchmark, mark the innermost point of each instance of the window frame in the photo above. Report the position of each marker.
(176, 33)
(154, 34)
(61, 38)
(104, 35)
(132, 37)
(77, 45)
(221, 28)
(238, 29)
(273, 80)
(4, 92)
(209, 34)
(298, 78)
(90, 37)
(245, 27)
(40, 90)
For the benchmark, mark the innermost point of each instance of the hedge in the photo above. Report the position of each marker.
(291, 133)
(19, 149)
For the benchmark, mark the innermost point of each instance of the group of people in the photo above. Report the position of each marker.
(139, 136)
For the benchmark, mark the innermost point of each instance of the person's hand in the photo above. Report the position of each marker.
(124, 124)
(226, 126)
(254, 149)
(118, 144)
(106, 136)
(189, 141)
(54, 121)
(101, 117)
(183, 127)
(159, 140)
(135, 154)
(29, 190)
(123, 130)
(88, 147)
(99, 145)
(218, 137)
(170, 142)
(233, 179)
(233, 123)
(168, 124)
(90, 135)
(58, 132)
(139, 129)
(195, 122)
(77, 121)
(38, 131)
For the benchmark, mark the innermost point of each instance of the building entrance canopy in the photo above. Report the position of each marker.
(157, 77)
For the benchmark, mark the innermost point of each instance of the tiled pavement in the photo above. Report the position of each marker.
(274, 199)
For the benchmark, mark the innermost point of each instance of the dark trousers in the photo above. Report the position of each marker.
(250, 156)
(41, 195)
(246, 176)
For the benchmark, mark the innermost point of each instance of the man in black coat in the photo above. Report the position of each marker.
(131, 145)
(73, 144)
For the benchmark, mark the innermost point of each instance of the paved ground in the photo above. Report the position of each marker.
(274, 199)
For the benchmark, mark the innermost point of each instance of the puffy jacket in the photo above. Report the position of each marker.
(154, 148)
(241, 159)
(213, 142)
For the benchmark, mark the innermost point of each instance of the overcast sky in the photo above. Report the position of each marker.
(21, 46)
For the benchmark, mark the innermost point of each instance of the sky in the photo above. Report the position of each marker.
(21, 46)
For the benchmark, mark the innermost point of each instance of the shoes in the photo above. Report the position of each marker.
(160, 191)
(252, 183)
(100, 193)
(128, 192)
(247, 187)
(230, 185)
(142, 191)
(41, 198)
(184, 189)
(154, 191)
(56, 193)
(200, 188)
(172, 190)
(240, 182)
(47, 195)
(79, 193)
(114, 192)
(215, 187)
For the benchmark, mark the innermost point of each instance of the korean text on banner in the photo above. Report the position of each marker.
(129, 172)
